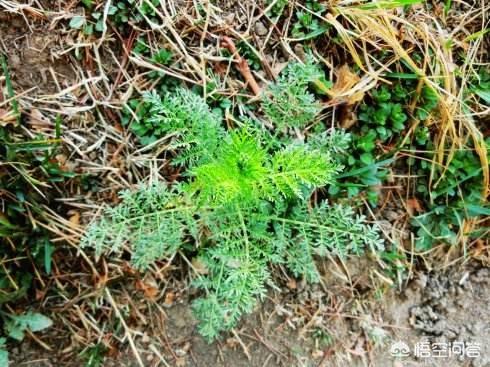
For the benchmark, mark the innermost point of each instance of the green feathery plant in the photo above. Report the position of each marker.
(244, 205)
(184, 116)
(288, 103)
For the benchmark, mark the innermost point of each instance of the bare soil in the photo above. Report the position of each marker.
(31, 51)
(441, 307)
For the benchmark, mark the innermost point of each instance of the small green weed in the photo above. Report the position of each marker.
(121, 13)
(243, 203)
(455, 197)
(308, 25)
(480, 85)
(278, 7)
(182, 114)
(27, 169)
(94, 356)
(246, 52)
(289, 101)
(382, 119)
(15, 327)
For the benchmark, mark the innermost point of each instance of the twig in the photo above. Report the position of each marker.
(244, 347)
(126, 328)
(242, 65)
(268, 346)
(159, 355)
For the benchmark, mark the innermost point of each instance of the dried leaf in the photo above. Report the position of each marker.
(118, 127)
(169, 299)
(61, 159)
(232, 342)
(149, 290)
(40, 294)
(478, 248)
(75, 218)
(37, 119)
(346, 80)
(347, 119)
(291, 284)
(7, 117)
(413, 206)
(128, 269)
(101, 281)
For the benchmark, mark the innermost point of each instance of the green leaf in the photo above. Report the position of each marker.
(422, 114)
(477, 35)
(382, 95)
(14, 330)
(358, 171)
(163, 56)
(88, 29)
(288, 101)
(243, 200)
(99, 26)
(16, 325)
(367, 142)
(333, 189)
(77, 22)
(322, 85)
(88, 3)
(37, 321)
(387, 4)
(352, 191)
(4, 357)
(314, 33)
(476, 210)
(382, 113)
(10, 88)
(112, 10)
(398, 124)
(25, 282)
(398, 117)
(483, 94)
(383, 132)
(367, 158)
(402, 75)
(48, 252)
(372, 197)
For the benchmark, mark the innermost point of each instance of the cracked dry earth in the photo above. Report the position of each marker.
(443, 309)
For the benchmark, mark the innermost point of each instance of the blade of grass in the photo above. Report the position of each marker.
(366, 168)
(389, 4)
(477, 35)
(10, 89)
(401, 75)
(447, 6)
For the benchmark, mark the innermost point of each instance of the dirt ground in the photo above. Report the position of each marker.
(341, 322)
(440, 307)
